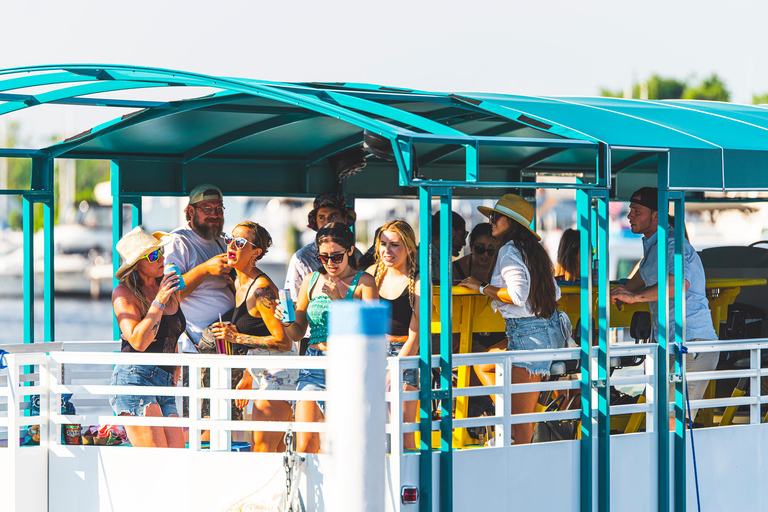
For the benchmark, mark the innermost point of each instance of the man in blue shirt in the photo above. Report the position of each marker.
(643, 286)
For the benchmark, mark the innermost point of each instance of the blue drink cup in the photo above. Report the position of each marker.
(286, 303)
(172, 268)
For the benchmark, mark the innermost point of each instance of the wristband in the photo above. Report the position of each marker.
(159, 305)
(482, 288)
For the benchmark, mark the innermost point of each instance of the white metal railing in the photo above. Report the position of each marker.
(89, 384)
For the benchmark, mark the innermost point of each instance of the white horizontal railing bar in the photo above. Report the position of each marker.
(727, 345)
(722, 402)
(630, 408)
(720, 374)
(200, 424)
(199, 360)
(478, 391)
(33, 348)
(630, 380)
(85, 390)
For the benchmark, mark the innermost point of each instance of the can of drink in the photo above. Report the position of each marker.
(71, 434)
(286, 303)
(172, 268)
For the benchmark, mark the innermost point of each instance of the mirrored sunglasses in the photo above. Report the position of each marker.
(335, 258)
(239, 241)
(154, 255)
(481, 249)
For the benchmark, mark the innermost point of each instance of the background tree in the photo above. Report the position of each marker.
(665, 88)
(711, 88)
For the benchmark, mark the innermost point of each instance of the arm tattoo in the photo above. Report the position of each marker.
(268, 342)
(266, 296)
(154, 327)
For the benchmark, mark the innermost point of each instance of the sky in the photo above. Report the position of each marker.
(541, 47)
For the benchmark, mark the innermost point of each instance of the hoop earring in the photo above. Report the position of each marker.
(253, 263)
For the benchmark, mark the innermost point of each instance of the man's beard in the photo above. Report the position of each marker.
(207, 231)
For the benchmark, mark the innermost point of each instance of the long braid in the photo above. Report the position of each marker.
(381, 269)
(412, 286)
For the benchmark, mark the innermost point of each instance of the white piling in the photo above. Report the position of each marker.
(356, 409)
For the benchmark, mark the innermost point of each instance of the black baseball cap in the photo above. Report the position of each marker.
(646, 196)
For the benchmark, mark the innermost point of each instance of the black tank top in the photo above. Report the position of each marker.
(168, 332)
(401, 314)
(244, 321)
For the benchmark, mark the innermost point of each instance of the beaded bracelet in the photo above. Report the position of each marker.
(158, 305)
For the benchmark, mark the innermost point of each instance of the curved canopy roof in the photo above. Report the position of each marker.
(270, 138)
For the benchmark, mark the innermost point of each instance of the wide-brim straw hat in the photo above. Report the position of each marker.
(137, 244)
(514, 207)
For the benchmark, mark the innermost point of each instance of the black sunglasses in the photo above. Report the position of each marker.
(481, 249)
(239, 241)
(335, 258)
(493, 216)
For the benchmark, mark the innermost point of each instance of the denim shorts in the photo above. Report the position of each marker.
(312, 380)
(410, 376)
(141, 375)
(533, 333)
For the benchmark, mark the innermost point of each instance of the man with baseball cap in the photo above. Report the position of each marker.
(200, 253)
(643, 286)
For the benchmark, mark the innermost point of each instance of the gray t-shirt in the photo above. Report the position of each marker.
(214, 295)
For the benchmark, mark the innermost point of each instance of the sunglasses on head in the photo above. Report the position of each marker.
(239, 241)
(481, 249)
(154, 255)
(335, 258)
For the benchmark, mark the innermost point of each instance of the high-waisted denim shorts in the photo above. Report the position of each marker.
(533, 333)
(141, 375)
(410, 376)
(314, 379)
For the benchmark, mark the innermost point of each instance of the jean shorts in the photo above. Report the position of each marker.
(141, 375)
(533, 333)
(410, 376)
(312, 380)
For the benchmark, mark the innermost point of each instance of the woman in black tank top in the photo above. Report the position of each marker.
(395, 276)
(254, 325)
(147, 310)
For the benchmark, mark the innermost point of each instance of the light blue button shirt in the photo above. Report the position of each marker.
(698, 319)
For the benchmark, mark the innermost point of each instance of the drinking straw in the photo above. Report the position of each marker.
(220, 343)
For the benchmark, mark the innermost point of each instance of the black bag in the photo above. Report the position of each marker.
(557, 430)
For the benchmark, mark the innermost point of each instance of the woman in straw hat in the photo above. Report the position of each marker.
(523, 290)
(150, 319)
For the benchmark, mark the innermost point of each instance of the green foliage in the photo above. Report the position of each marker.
(711, 88)
(89, 174)
(760, 99)
(665, 88)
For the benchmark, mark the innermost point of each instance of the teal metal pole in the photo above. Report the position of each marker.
(425, 350)
(583, 208)
(446, 351)
(117, 227)
(662, 355)
(678, 199)
(136, 212)
(603, 357)
(28, 223)
(48, 270)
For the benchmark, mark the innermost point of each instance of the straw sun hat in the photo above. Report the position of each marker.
(514, 207)
(137, 244)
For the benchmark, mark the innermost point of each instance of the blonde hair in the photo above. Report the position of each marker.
(134, 284)
(406, 233)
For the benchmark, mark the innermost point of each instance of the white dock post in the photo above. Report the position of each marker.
(357, 413)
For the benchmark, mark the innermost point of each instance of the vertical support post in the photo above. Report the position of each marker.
(662, 358)
(28, 230)
(48, 270)
(472, 162)
(356, 374)
(603, 355)
(117, 227)
(678, 200)
(136, 212)
(446, 350)
(583, 207)
(425, 350)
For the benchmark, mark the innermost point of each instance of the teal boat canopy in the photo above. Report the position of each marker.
(282, 138)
